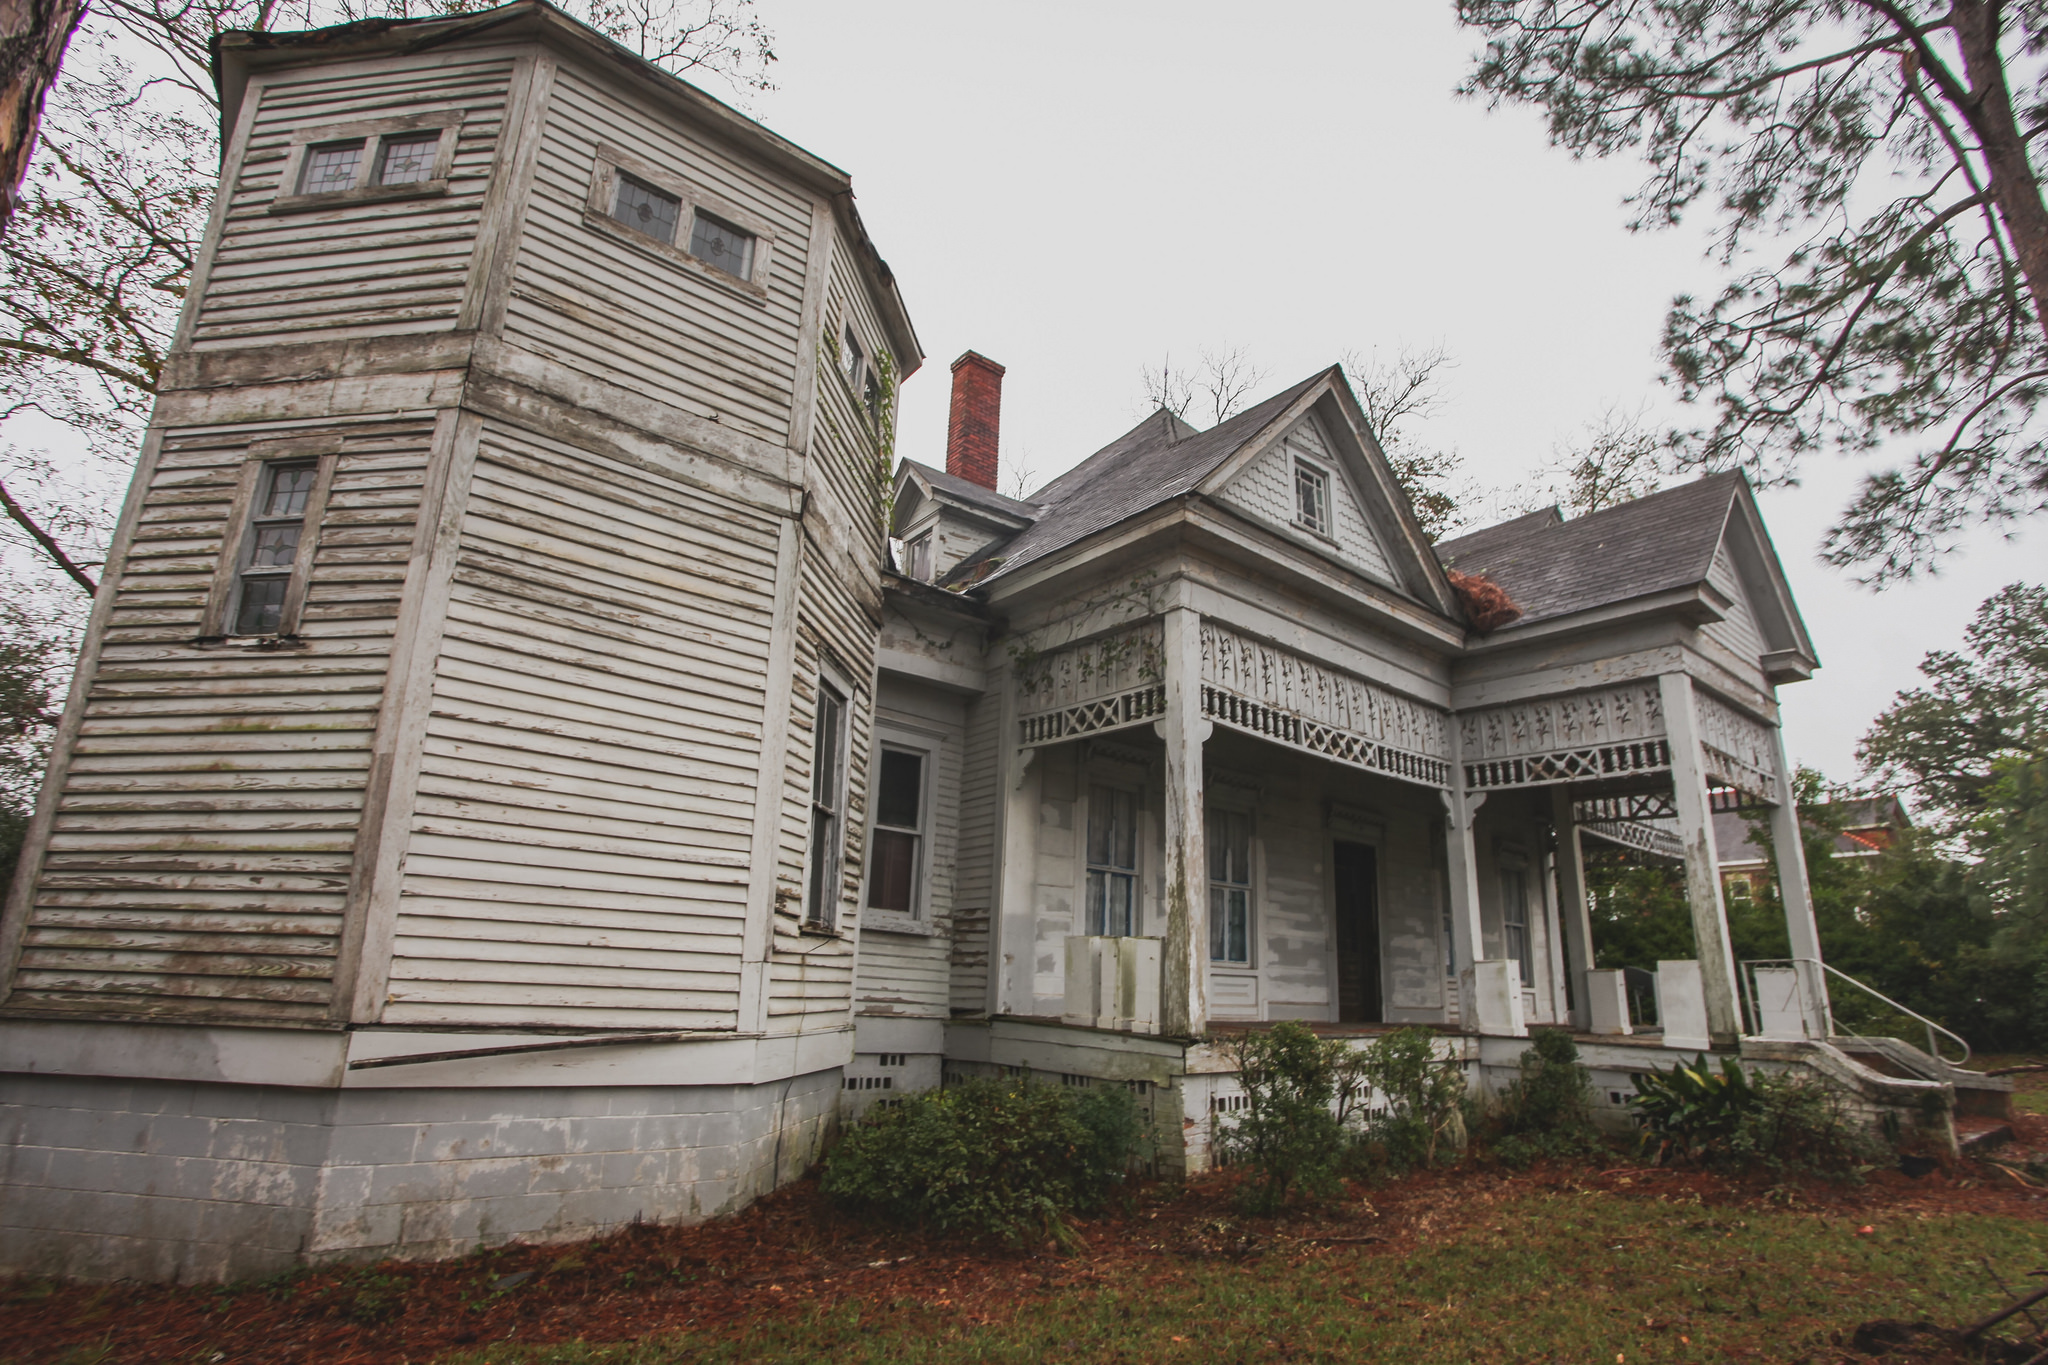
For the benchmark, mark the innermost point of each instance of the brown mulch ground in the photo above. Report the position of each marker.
(792, 1249)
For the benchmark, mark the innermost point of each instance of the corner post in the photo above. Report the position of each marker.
(1702, 859)
(1795, 893)
(1012, 967)
(1572, 907)
(1184, 1003)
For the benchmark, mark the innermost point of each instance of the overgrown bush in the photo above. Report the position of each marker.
(1007, 1159)
(1288, 1137)
(1421, 1114)
(1738, 1120)
(1548, 1108)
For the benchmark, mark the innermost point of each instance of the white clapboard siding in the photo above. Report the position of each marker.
(202, 843)
(585, 298)
(580, 841)
(907, 974)
(1738, 629)
(377, 268)
(1266, 489)
(974, 878)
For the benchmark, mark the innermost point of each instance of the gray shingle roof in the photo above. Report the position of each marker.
(1156, 461)
(972, 493)
(1552, 567)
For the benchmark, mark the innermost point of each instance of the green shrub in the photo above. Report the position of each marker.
(1548, 1108)
(987, 1158)
(1288, 1137)
(1737, 1120)
(1422, 1118)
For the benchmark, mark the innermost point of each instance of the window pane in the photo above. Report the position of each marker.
(899, 799)
(824, 893)
(1123, 849)
(1098, 897)
(331, 168)
(409, 160)
(1120, 914)
(276, 547)
(1101, 824)
(262, 604)
(921, 559)
(722, 245)
(640, 205)
(853, 356)
(1219, 932)
(1240, 926)
(825, 749)
(290, 486)
(891, 866)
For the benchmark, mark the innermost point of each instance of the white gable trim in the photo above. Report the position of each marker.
(1264, 490)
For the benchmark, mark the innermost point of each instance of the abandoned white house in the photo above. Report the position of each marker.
(509, 788)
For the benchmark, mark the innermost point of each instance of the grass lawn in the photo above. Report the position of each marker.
(1576, 1275)
(2029, 1088)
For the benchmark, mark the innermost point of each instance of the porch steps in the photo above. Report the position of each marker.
(1977, 1134)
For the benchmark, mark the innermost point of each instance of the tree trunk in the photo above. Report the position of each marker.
(2014, 189)
(33, 35)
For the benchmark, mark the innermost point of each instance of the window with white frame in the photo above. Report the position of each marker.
(919, 553)
(1311, 497)
(1112, 861)
(896, 848)
(853, 358)
(1514, 919)
(1740, 891)
(828, 807)
(1230, 886)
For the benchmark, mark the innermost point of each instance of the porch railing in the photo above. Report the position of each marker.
(1753, 1007)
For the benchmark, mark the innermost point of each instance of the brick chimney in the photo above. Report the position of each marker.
(977, 416)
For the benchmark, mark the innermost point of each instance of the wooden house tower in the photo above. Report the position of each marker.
(453, 829)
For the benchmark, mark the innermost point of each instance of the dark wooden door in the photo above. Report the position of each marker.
(1358, 934)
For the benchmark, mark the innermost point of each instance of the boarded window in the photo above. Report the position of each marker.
(270, 555)
(828, 799)
(1230, 886)
(719, 244)
(646, 209)
(895, 858)
(1112, 861)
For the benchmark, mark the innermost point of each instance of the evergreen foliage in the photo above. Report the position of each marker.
(1548, 1108)
(1736, 1119)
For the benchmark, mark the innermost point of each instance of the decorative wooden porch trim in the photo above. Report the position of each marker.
(1581, 736)
(1110, 683)
(1739, 752)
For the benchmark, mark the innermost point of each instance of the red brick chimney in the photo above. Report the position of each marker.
(977, 416)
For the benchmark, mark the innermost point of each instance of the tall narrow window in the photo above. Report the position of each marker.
(828, 797)
(921, 558)
(1312, 498)
(1230, 887)
(895, 856)
(646, 209)
(853, 358)
(270, 554)
(718, 243)
(1112, 861)
(1514, 920)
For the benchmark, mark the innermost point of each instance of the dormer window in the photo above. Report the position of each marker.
(1311, 498)
(919, 555)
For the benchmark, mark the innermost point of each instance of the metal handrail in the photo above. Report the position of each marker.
(1827, 1004)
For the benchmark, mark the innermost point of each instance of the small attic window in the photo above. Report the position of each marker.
(646, 209)
(918, 555)
(1311, 498)
(722, 246)
(344, 163)
(409, 160)
(332, 168)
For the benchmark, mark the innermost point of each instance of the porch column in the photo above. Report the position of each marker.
(1013, 932)
(1796, 894)
(1572, 908)
(1702, 860)
(1184, 1005)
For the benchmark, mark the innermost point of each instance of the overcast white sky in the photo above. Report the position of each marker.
(1075, 190)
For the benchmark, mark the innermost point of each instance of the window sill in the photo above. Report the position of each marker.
(890, 922)
(812, 929)
(260, 642)
(654, 246)
(1323, 536)
(368, 194)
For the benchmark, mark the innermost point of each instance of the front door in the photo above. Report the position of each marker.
(1358, 934)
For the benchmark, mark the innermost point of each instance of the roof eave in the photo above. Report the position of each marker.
(1692, 605)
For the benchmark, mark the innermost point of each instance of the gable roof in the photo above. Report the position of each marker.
(1156, 461)
(944, 487)
(1552, 567)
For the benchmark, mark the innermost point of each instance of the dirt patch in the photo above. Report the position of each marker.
(793, 1251)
